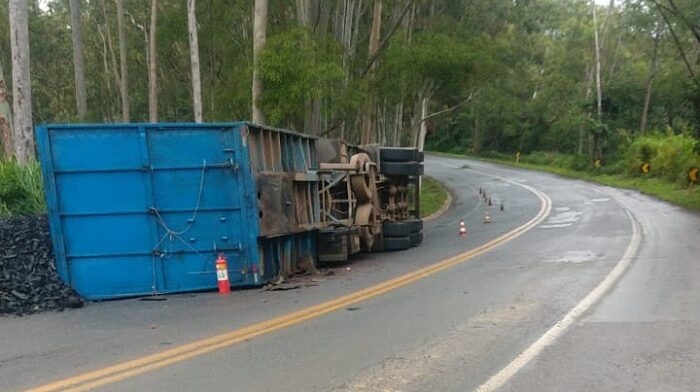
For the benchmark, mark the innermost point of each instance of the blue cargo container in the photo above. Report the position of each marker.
(137, 209)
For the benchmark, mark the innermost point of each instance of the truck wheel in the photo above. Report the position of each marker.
(398, 154)
(416, 238)
(401, 168)
(396, 243)
(402, 228)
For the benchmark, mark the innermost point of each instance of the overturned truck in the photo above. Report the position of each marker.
(144, 209)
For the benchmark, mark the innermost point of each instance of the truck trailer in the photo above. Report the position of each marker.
(146, 209)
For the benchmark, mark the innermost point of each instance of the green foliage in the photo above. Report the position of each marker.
(525, 68)
(298, 66)
(670, 156)
(432, 196)
(615, 174)
(21, 190)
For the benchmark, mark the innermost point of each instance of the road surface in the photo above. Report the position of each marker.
(572, 287)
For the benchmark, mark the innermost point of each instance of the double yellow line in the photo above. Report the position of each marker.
(148, 363)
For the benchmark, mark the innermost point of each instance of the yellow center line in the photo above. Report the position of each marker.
(131, 368)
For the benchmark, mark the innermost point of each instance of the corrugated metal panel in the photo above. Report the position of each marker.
(142, 208)
(284, 164)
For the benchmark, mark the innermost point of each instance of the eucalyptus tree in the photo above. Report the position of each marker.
(78, 58)
(22, 130)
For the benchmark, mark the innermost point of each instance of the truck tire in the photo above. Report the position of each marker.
(396, 243)
(416, 238)
(402, 228)
(401, 168)
(398, 154)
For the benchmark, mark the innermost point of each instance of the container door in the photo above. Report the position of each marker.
(198, 206)
(137, 209)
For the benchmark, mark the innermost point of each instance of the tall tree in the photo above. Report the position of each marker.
(23, 133)
(124, 86)
(194, 60)
(369, 109)
(153, 65)
(5, 118)
(652, 73)
(78, 59)
(599, 90)
(259, 37)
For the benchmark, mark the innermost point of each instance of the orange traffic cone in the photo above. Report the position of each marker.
(487, 218)
(462, 229)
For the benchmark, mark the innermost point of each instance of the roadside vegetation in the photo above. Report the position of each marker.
(21, 191)
(669, 157)
(563, 82)
(432, 196)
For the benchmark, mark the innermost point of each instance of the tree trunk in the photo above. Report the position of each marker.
(650, 80)
(23, 134)
(259, 37)
(194, 60)
(212, 54)
(346, 30)
(423, 125)
(113, 59)
(5, 118)
(303, 12)
(367, 115)
(476, 139)
(124, 86)
(153, 65)
(78, 59)
(312, 117)
(599, 90)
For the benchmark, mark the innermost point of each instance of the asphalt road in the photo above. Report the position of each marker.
(602, 295)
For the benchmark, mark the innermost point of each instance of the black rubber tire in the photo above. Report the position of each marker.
(402, 168)
(402, 228)
(397, 243)
(398, 154)
(416, 238)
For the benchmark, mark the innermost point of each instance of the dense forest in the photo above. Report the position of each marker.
(571, 76)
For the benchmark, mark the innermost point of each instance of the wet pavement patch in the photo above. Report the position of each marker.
(574, 257)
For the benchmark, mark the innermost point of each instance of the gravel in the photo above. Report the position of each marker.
(29, 282)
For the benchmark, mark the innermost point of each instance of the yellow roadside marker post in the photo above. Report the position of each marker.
(645, 168)
(692, 177)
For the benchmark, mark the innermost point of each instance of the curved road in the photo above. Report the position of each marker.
(598, 293)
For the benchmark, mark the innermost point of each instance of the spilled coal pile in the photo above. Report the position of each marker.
(29, 282)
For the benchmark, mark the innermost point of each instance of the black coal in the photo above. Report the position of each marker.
(29, 282)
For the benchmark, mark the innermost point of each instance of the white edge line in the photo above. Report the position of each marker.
(499, 379)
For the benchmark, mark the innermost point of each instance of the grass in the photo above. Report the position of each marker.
(21, 189)
(432, 196)
(659, 188)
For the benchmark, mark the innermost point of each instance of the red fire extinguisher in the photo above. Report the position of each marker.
(222, 274)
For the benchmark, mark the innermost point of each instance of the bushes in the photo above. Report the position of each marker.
(670, 156)
(21, 189)
(574, 162)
